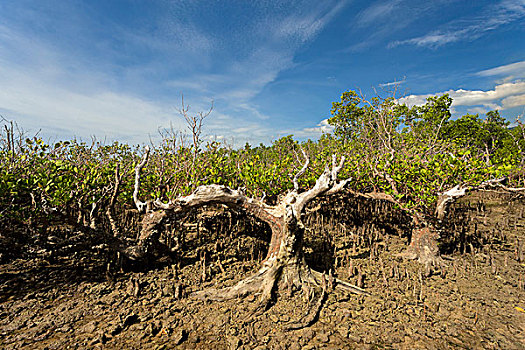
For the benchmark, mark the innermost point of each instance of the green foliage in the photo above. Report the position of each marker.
(490, 137)
(415, 153)
(347, 115)
(410, 153)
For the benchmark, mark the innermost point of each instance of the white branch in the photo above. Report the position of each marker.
(448, 197)
(139, 204)
(208, 194)
(336, 169)
(325, 182)
(301, 172)
(338, 187)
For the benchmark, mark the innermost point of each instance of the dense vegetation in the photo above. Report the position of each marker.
(410, 153)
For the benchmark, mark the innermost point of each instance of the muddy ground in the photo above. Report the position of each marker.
(73, 299)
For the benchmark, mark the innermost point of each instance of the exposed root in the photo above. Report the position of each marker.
(424, 248)
(262, 282)
(338, 284)
(265, 281)
(313, 312)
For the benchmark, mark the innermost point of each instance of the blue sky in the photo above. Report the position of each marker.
(116, 68)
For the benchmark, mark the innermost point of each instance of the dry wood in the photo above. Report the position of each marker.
(448, 197)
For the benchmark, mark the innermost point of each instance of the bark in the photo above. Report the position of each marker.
(424, 243)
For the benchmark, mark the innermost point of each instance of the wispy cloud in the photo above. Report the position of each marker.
(66, 113)
(376, 12)
(514, 69)
(122, 78)
(383, 19)
(303, 27)
(274, 41)
(393, 83)
(469, 28)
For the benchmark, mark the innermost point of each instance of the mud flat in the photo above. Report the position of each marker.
(476, 300)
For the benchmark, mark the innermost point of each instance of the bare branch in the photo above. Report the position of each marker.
(139, 204)
(448, 197)
(336, 169)
(324, 183)
(301, 172)
(338, 187)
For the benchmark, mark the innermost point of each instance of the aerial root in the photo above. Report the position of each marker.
(265, 280)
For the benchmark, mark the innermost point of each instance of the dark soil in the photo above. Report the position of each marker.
(72, 298)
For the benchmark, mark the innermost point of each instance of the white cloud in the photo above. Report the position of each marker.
(103, 113)
(479, 97)
(478, 110)
(504, 96)
(123, 85)
(513, 101)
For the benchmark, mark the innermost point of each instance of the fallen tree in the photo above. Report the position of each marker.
(284, 261)
(284, 258)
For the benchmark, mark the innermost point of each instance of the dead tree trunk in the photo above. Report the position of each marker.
(284, 260)
(424, 242)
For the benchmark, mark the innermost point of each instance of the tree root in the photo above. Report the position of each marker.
(327, 285)
(424, 248)
(339, 284)
(430, 261)
(265, 281)
(262, 282)
(313, 312)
